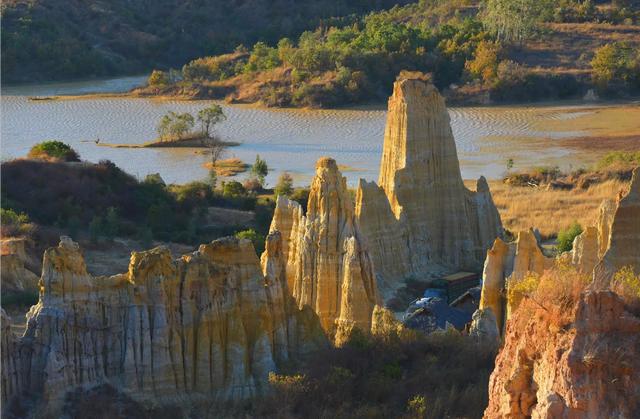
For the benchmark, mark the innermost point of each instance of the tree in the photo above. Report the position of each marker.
(158, 78)
(515, 20)
(485, 63)
(616, 62)
(175, 125)
(284, 185)
(209, 117)
(260, 169)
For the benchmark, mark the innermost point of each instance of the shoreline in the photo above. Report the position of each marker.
(365, 106)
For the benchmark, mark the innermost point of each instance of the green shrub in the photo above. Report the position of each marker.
(53, 149)
(233, 189)
(256, 238)
(565, 237)
(619, 159)
(14, 223)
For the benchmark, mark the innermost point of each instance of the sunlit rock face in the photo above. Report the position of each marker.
(508, 263)
(623, 238)
(326, 263)
(583, 364)
(207, 326)
(421, 213)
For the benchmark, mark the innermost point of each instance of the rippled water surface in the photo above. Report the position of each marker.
(289, 140)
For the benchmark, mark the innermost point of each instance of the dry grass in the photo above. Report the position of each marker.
(228, 167)
(550, 210)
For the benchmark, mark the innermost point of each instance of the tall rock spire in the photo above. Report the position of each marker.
(437, 219)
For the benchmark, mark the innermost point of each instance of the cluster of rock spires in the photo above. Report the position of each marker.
(212, 324)
(323, 257)
(551, 366)
(599, 251)
(205, 326)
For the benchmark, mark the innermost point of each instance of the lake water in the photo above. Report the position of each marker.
(290, 140)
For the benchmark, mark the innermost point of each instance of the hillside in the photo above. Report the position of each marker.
(565, 53)
(53, 39)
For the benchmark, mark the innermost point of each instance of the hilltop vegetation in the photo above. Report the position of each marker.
(54, 39)
(521, 56)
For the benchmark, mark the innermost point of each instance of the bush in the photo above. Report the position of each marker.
(158, 78)
(565, 237)
(55, 150)
(14, 223)
(627, 284)
(617, 62)
(285, 185)
(252, 184)
(233, 189)
(384, 376)
(256, 238)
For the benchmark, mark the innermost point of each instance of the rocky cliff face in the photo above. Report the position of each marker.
(421, 213)
(585, 365)
(327, 265)
(207, 326)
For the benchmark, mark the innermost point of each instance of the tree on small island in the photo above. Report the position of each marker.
(209, 117)
(175, 125)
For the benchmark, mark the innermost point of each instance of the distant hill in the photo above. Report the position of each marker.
(64, 39)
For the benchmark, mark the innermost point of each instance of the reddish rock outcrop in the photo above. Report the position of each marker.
(584, 365)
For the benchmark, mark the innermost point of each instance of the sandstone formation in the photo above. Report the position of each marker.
(507, 264)
(205, 327)
(421, 214)
(605, 218)
(623, 247)
(325, 261)
(15, 275)
(498, 266)
(589, 370)
(584, 253)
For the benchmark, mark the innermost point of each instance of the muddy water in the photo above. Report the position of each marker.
(289, 140)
